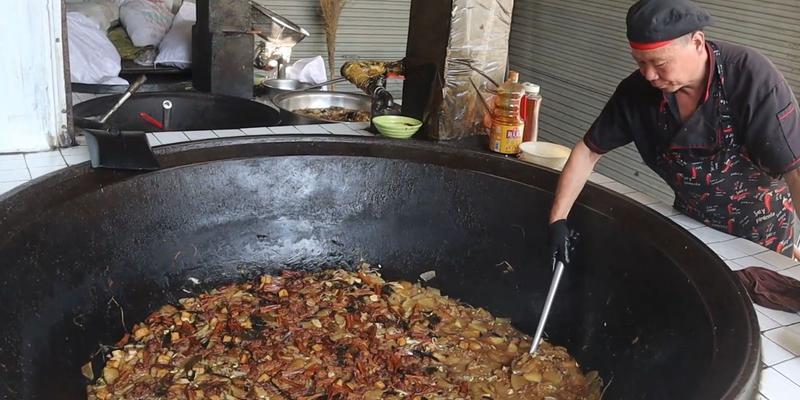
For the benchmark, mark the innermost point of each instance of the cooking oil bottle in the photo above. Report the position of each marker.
(507, 124)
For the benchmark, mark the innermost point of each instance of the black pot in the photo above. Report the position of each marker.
(644, 302)
(191, 111)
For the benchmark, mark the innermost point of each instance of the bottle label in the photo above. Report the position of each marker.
(506, 139)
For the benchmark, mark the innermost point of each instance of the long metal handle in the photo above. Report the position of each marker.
(548, 303)
(326, 83)
(128, 93)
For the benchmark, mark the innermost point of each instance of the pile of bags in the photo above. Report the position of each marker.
(162, 27)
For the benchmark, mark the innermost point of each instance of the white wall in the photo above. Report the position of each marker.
(32, 92)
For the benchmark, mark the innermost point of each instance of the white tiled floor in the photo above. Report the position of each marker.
(664, 209)
(686, 222)
(338, 129)
(772, 353)
(775, 386)
(284, 130)
(776, 260)
(726, 250)
(780, 330)
(599, 178)
(75, 155)
(793, 272)
(755, 249)
(783, 318)
(734, 266)
(75, 151)
(786, 336)
(12, 175)
(766, 323)
(171, 137)
(618, 187)
(257, 131)
(151, 138)
(750, 261)
(357, 126)
(12, 161)
(45, 159)
(744, 251)
(314, 129)
(709, 235)
(790, 369)
(200, 135)
(229, 132)
(642, 198)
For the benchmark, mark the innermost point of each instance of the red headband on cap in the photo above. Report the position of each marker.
(650, 45)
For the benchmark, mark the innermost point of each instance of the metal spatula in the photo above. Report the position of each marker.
(548, 303)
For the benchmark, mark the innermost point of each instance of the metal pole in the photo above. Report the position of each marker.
(548, 303)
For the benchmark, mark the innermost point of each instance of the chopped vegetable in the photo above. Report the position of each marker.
(333, 335)
(337, 114)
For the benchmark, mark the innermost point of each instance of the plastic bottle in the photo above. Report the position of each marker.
(532, 103)
(507, 124)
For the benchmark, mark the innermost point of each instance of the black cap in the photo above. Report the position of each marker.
(662, 20)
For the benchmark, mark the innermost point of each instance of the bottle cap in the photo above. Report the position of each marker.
(531, 88)
(513, 76)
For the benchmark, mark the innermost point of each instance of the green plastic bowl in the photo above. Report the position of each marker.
(396, 126)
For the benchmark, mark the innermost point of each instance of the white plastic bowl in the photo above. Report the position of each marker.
(546, 154)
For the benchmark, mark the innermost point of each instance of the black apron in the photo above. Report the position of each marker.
(720, 186)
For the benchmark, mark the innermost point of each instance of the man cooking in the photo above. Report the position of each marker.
(715, 120)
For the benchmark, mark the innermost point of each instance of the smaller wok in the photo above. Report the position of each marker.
(191, 111)
(289, 103)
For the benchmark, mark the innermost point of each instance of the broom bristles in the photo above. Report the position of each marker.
(331, 11)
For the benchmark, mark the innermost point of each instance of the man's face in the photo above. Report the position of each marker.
(671, 67)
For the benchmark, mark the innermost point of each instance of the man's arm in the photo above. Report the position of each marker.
(574, 176)
(792, 179)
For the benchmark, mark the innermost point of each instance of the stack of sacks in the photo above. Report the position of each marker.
(149, 23)
(176, 48)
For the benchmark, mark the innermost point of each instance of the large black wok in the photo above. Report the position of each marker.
(643, 302)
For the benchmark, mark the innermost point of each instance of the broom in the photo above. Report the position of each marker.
(331, 10)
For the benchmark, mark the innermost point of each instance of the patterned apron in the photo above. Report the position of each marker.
(723, 188)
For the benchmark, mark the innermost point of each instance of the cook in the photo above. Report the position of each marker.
(715, 120)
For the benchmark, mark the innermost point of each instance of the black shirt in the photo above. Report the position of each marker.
(764, 109)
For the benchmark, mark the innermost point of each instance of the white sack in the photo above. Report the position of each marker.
(146, 21)
(176, 48)
(93, 59)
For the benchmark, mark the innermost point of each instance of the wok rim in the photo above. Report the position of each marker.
(66, 183)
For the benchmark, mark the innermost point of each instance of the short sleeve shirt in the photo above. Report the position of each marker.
(763, 107)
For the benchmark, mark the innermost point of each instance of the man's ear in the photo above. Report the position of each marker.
(699, 40)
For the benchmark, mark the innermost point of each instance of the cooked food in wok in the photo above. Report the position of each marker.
(338, 114)
(333, 335)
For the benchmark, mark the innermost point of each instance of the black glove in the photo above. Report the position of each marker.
(561, 241)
